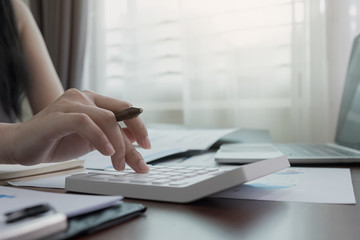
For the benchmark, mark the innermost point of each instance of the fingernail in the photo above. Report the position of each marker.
(109, 149)
(146, 143)
(144, 167)
(122, 164)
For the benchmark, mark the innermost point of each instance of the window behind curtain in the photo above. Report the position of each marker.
(219, 63)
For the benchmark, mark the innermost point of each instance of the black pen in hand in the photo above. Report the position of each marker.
(128, 113)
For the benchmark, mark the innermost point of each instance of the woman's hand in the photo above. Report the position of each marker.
(75, 124)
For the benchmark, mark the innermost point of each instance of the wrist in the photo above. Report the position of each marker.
(8, 143)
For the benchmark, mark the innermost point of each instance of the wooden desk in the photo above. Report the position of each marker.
(209, 219)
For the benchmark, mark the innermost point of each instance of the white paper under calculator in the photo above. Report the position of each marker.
(316, 185)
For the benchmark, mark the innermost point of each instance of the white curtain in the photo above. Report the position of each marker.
(268, 64)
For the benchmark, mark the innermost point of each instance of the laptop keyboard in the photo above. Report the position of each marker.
(311, 150)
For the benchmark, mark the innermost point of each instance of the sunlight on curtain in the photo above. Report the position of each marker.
(219, 63)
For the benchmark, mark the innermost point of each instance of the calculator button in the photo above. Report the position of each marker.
(160, 170)
(195, 168)
(201, 172)
(175, 167)
(139, 180)
(192, 174)
(178, 183)
(141, 175)
(117, 179)
(100, 177)
(157, 166)
(161, 181)
(170, 173)
(184, 171)
(119, 173)
(175, 178)
(212, 169)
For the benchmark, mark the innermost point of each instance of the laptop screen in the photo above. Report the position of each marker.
(348, 129)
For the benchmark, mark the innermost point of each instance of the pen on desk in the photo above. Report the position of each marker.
(128, 113)
(27, 212)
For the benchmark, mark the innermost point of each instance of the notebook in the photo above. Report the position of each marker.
(345, 149)
(12, 172)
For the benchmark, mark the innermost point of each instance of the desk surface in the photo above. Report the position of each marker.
(242, 219)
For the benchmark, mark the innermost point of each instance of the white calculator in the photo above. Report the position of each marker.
(171, 183)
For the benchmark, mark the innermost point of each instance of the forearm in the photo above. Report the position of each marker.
(45, 86)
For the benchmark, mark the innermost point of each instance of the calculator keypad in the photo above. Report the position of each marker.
(158, 175)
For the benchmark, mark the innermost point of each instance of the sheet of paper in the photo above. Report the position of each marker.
(70, 204)
(95, 160)
(314, 185)
(187, 139)
(205, 159)
(47, 182)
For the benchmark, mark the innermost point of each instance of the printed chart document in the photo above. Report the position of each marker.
(315, 185)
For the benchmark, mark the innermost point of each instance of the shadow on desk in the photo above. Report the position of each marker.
(204, 219)
(230, 213)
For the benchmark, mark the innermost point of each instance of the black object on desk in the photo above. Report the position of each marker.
(33, 222)
(101, 219)
(27, 212)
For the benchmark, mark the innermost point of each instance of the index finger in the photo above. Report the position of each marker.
(135, 125)
(133, 158)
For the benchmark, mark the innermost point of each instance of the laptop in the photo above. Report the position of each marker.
(345, 149)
